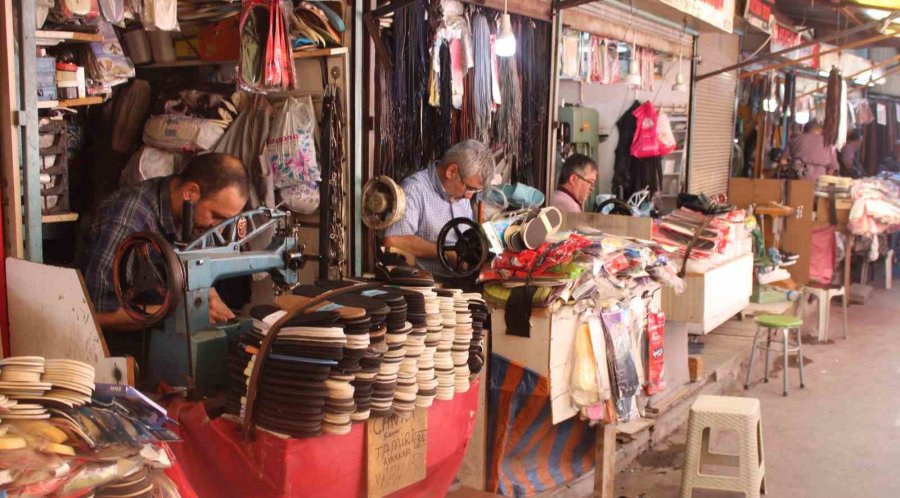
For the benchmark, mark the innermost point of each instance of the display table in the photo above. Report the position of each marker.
(218, 463)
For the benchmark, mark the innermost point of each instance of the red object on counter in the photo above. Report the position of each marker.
(218, 463)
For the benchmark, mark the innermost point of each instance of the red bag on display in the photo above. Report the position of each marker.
(647, 141)
(656, 324)
(266, 60)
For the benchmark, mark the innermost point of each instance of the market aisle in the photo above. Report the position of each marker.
(836, 438)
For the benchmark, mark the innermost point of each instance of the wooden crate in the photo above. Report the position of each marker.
(548, 351)
(711, 298)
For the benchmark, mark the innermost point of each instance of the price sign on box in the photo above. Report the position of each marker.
(395, 449)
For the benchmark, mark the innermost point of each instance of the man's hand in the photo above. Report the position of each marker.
(218, 311)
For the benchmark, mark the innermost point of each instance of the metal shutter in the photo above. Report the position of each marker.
(712, 127)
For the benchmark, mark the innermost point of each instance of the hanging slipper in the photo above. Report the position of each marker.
(546, 223)
(333, 17)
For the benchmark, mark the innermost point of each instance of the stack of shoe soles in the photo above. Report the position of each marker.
(136, 485)
(29, 385)
(295, 387)
(461, 342)
(479, 311)
(374, 379)
(434, 328)
(421, 345)
(443, 359)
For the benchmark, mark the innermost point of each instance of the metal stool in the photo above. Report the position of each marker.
(774, 324)
(741, 415)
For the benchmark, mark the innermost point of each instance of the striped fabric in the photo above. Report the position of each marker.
(527, 454)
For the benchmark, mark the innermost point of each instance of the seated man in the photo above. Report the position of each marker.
(576, 181)
(850, 165)
(436, 195)
(217, 184)
(810, 146)
(891, 163)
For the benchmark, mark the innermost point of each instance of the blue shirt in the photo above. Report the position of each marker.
(428, 209)
(143, 208)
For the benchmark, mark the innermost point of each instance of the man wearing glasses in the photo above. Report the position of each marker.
(576, 181)
(436, 195)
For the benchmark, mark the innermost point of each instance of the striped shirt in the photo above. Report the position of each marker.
(145, 207)
(428, 209)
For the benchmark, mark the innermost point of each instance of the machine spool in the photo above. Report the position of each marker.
(383, 202)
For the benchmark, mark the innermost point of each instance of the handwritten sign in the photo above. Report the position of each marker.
(395, 450)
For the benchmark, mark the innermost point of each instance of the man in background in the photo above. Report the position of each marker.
(576, 181)
(810, 146)
(850, 165)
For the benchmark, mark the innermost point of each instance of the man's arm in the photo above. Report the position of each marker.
(413, 244)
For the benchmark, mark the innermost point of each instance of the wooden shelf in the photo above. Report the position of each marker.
(52, 104)
(59, 218)
(50, 38)
(302, 54)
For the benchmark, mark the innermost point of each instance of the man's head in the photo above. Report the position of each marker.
(578, 175)
(812, 127)
(217, 184)
(854, 136)
(464, 169)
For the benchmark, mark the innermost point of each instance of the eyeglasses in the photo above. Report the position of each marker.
(591, 182)
(469, 189)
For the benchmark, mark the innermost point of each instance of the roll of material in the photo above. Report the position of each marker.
(161, 45)
(138, 46)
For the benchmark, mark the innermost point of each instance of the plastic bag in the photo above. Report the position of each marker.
(70, 9)
(149, 162)
(113, 11)
(266, 61)
(107, 62)
(665, 135)
(583, 385)
(646, 141)
(290, 148)
(182, 135)
(160, 15)
(41, 10)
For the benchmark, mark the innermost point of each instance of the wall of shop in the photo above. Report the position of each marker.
(611, 101)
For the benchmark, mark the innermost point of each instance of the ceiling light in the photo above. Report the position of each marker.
(505, 44)
(680, 85)
(634, 75)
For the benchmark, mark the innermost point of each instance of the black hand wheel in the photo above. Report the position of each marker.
(619, 207)
(148, 277)
(471, 248)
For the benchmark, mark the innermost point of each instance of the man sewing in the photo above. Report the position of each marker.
(820, 159)
(218, 187)
(436, 195)
(576, 181)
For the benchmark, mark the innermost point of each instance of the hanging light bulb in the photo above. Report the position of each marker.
(505, 44)
(634, 75)
(680, 85)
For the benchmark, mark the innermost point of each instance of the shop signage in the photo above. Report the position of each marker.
(759, 14)
(784, 37)
(718, 13)
(395, 449)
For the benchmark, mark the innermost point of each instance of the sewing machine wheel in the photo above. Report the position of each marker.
(148, 277)
(471, 248)
(618, 207)
(383, 203)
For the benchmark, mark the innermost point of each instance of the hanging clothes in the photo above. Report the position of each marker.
(631, 174)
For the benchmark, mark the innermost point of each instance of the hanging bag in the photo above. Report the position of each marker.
(646, 141)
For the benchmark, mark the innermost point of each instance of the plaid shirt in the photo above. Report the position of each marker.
(143, 208)
(428, 209)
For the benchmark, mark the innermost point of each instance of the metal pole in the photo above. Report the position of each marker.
(791, 62)
(833, 36)
(28, 121)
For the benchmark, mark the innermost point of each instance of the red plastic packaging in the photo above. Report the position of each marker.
(656, 324)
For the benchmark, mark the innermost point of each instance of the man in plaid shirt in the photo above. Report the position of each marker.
(217, 184)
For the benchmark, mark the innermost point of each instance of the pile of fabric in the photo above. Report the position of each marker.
(58, 440)
(876, 207)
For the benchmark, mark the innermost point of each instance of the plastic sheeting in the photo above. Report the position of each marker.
(219, 464)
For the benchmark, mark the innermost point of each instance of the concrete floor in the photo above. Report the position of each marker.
(839, 437)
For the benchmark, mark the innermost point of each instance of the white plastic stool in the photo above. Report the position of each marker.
(824, 294)
(741, 415)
